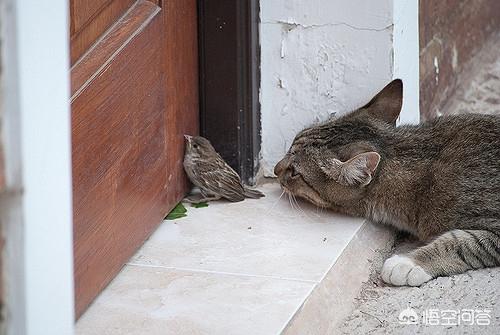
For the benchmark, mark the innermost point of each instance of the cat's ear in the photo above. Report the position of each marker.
(359, 170)
(386, 105)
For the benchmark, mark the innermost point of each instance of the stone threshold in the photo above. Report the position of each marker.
(254, 267)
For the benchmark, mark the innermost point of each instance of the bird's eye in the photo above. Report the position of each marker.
(294, 173)
(195, 146)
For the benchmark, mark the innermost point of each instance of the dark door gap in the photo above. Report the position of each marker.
(229, 81)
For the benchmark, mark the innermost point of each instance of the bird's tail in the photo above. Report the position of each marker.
(253, 194)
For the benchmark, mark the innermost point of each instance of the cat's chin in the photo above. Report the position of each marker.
(314, 199)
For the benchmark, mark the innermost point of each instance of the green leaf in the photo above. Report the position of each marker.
(171, 216)
(200, 205)
(178, 212)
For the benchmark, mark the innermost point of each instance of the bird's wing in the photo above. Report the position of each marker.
(219, 178)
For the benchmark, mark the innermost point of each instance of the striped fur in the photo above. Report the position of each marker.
(439, 181)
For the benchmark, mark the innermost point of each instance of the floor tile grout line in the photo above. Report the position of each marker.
(222, 273)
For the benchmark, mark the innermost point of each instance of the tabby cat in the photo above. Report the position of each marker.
(439, 181)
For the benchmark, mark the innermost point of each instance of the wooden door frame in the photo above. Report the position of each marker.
(229, 58)
(36, 140)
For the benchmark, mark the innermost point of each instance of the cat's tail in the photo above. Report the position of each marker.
(252, 194)
(451, 253)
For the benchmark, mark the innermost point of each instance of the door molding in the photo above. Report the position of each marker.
(229, 58)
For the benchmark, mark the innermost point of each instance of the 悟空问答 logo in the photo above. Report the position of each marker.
(408, 316)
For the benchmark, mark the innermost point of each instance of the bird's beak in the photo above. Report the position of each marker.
(188, 138)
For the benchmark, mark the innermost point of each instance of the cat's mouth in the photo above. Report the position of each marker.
(302, 190)
(314, 198)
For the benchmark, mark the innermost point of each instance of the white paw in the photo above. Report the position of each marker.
(401, 270)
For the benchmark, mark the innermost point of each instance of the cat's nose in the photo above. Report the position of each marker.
(280, 167)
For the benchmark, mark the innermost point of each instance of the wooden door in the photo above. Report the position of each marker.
(134, 95)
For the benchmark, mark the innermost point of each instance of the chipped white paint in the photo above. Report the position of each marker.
(454, 58)
(320, 57)
(436, 69)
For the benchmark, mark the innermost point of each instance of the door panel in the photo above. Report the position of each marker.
(134, 95)
(84, 11)
(90, 19)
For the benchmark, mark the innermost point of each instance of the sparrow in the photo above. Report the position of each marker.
(215, 178)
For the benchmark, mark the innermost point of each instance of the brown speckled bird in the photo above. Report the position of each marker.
(207, 170)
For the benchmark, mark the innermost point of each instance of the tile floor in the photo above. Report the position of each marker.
(230, 268)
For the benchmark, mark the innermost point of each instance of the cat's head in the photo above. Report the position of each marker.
(333, 163)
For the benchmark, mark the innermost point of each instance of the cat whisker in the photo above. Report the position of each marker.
(296, 204)
(293, 202)
(290, 201)
(319, 210)
(289, 196)
(276, 202)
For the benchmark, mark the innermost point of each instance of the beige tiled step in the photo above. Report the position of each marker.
(333, 299)
(151, 300)
(230, 268)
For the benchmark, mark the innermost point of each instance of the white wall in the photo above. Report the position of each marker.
(406, 56)
(320, 57)
(36, 210)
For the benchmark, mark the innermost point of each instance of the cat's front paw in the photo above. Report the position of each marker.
(402, 270)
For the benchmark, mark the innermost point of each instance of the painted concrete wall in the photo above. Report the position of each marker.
(320, 57)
